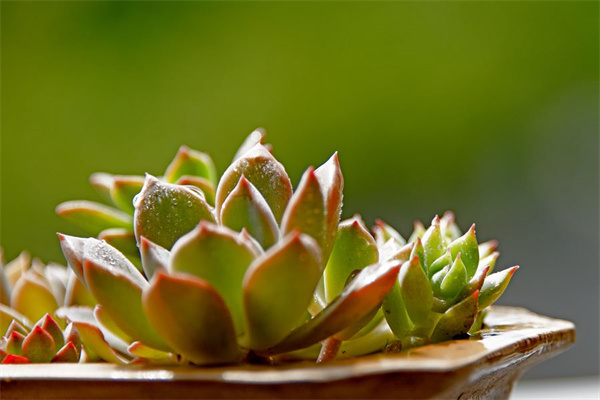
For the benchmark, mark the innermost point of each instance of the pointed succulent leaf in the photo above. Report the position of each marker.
(139, 349)
(278, 288)
(191, 162)
(419, 251)
(265, 173)
(418, 231)
(306, 210)
(416, 291)
(457, 320)
(76, 294)
(49, 325)
(478, 324)
(250, 242)
(94, 343)
(449, 227)
(32, 297)
(93, 217)
(255, 137)
(14, 359)
(124, 189)
(361, 326)
(7, 315)
(433, 243)
(14, 344)
(3, 355)
(440, 263)
(206, 187)
(15, 326)
(437, 279)
(487, 248)
(455, 280)
(121, 296)
(67, 354)
(354, 248)
(331, 182)
(494, 285)
(72, 336)
(488, 261)
(467, 246)
(393, 251)
(106, 322)
(154, 257)
(246, 208)
(121, 239)
(383, 232)
(192, 318)
(215, 254)
(358, 299)
(476, 283)
(102, 182)
(165, 212)
(395, 312)
(38, 346)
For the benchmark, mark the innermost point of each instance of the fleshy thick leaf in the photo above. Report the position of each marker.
(102, 183)
(455, 280)
(192, 317)
(124, 189)
(433, 243)
(191, 162)
(217, 255)
(94, 343)
(416, 291)
(14, 359)
(384, 232)
(246, 208)
(38, 346)
(353, 250)
(32, 297)
(93, 217)
(121, 239)
(395, 312)
(7, 315)
(14, 343)
(457, 320)
(205, 186)
(106, 322)
(331, 182)
(139, 349)
(366, 292)
(76, 294)
(278, 288)
(494, 285)
(265, 173)
(154, 257)
(255, 137)
(165, 212)
(67, 354)
(51, 327)
(467, 246)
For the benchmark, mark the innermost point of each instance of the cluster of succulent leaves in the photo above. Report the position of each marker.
(188, 268)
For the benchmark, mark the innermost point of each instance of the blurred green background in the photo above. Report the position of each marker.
(486, 108)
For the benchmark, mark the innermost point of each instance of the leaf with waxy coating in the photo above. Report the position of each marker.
(306, 210)
(94, 343)
(277, 289)
(331, 182)
(416, 291)
(467, 246)
(455, 280)
(366, 292)
(354, 248)
(266, 174)
(457, 320)
(255, 137)
(433, 243)
(67, 354)
(494, 285)
(72, 336)
(7, 315)
(76, 294)
(32, 297)
(488, 261)
(15, 326)
(246, 208)
(14, 343)
(121, 297)
(38, 346)
(14, 359)
(93, 217)
(106, 322)
(124, 241)
(205, 186)
(154, 257)
(165, 212)
(192, 318)
(191, 162)
(49, 325)
(384, 232)
(124, 189)
(102, 183)
(215, 254)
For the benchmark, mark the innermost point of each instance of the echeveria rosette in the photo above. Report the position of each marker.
(445, 284)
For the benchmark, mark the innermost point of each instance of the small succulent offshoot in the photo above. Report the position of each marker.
(191, 268)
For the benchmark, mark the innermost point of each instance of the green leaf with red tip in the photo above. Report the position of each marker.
(205, 186)
(93, 217)
(433, 243)
(476, 283)
(488, 261)
(192, 318)
(120, 295)
(494, 285)
(419, 251)
(67, 354)
(15, 326)
(14, 359)
(366, 292)
(94, 343)
(450, 229)
(467, 246)
(33, 297)
(139, 349)
(457, 320)
(416, 291)
(246, 208)
(105, 320)
(124, 189)
(72, 336)
(455, 280)
(255, 137)
(354, 249)
(7, 315)
(217, 255)
(102, 183)
(384, 232)
(154, 257)
(14, 344)
(331, 182)
(487, 248)
(439, 264)
(250, 242)
(265, 173)
(277, 289)
(165, 212)
(49, 325)
(306, 210)
(191, 162)
(38, 346)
